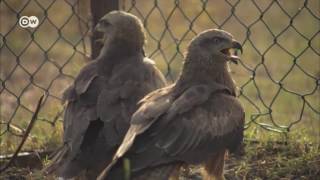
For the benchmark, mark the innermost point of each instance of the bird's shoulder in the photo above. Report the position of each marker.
(153, 105)
(136, 76)
(82, 82)
(148, 61)
(172, 101)
(154, 74)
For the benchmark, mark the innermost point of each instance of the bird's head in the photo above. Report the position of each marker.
(216, 45)
(120, 25)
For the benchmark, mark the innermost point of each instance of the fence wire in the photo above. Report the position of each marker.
(278, 76)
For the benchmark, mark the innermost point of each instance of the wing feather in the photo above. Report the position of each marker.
(162, 105)
(86, 75)
(217, 118)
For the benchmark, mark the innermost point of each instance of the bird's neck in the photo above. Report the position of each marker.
(115, 52)
(197, 71)
(119, 48)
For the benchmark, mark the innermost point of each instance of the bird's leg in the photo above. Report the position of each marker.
(213, 168)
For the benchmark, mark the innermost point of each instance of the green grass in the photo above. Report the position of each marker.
(260, 160)
(270, 160)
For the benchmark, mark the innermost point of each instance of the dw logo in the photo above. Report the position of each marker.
(26, 21)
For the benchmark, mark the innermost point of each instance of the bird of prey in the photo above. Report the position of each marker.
(103, 97)
(196, 120)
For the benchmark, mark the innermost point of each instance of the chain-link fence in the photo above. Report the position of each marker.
(278, 76)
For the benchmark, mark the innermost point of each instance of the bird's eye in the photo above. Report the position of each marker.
(216, 40)
(105, 23)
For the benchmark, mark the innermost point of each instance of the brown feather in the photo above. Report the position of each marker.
(103, 97)
(195, 119)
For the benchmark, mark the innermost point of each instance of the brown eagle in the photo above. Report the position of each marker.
(104, 96)
(194, 121)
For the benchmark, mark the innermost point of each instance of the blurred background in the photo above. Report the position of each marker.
(278, 77)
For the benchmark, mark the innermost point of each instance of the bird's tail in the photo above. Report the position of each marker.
(57, 158)
(123, 148)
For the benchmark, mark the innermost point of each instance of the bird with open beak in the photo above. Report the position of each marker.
(100, 102)
(196, 120)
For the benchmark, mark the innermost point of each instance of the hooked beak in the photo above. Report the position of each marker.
(237, 46)
(232, 56)
(100, 29)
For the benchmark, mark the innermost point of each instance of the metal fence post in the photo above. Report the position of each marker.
(98, 9)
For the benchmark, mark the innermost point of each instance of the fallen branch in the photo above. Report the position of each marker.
(25, 136)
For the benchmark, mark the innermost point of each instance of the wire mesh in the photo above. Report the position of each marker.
(38, 60)
(278, 76)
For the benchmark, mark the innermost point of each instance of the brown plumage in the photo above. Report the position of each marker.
(194, 121)
(103, 97)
